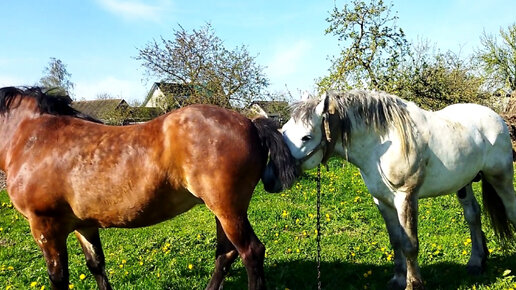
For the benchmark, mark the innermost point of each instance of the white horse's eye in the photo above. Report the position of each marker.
(306, 138)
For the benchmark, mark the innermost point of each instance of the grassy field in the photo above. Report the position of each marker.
(179, 254)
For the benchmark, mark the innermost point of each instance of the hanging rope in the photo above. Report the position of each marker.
(318, 228)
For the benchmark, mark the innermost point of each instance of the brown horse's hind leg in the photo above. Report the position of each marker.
(52, 241)
(225, 256)
(251, 250)
(92, 248)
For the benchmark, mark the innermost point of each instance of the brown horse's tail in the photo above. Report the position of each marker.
(281, 170)
(495, 209)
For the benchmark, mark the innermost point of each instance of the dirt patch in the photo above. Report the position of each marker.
(3, 184)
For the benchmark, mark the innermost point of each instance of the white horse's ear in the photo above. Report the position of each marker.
(319, 110)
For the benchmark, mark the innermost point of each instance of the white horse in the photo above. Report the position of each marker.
(405, 153)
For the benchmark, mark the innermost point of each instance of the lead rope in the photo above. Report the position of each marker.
(318, 227)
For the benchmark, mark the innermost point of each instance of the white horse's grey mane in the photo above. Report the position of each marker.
(373, 109)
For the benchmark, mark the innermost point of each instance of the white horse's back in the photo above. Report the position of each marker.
(463, 140)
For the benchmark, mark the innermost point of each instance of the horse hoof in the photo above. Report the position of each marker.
(396, 284)
(474, 270)
(415, 285)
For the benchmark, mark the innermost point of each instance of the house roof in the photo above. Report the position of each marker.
(271, 107)
(98, 108)
(168, 89)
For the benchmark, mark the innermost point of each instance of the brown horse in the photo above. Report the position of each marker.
(66, 173)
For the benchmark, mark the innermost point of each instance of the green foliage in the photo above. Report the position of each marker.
(356, 254)
(373, 46)
(498, 60)
(57, 77)
(198, 60)
(434, 81)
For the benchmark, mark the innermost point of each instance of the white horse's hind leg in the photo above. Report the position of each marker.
(394, 229)
(479, 251)
(407, 209)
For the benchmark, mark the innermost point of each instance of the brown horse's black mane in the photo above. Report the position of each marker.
(48, 103)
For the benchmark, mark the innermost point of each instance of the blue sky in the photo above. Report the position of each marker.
(98, 39)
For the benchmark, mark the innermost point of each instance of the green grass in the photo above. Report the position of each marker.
(356, 254)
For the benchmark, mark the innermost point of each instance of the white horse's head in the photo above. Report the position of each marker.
(304, 132)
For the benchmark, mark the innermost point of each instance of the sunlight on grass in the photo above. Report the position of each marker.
(356, 253)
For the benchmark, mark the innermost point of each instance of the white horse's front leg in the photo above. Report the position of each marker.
(407, 208)
(479, 251)
(394, 229)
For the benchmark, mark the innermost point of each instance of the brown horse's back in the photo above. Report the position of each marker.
(182, 158)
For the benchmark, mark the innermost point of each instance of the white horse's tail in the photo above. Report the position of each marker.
(495, 209)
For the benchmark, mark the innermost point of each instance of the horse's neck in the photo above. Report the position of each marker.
(10, 122)
(360, 145)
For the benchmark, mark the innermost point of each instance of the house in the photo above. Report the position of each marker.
(167, 96)
(109, 111)
(277, 110)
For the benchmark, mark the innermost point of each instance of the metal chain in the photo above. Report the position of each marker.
(318, 227)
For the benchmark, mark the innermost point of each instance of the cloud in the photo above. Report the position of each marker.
(287, 59)
(128, 90)
(7, 81)
(135, 9)
(290, 65)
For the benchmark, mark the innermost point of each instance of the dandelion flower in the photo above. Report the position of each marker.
(82, 276)
(190, 266)
(33, 284)
(70, 286)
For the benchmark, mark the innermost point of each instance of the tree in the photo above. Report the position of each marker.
(374, 46)
(57, 77)
(436, 80)
(498, 60)
(199, 61)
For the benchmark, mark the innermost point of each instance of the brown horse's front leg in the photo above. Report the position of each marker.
(52, 242)
(92, 248)
(224, 257)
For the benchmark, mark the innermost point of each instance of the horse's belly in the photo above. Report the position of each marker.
(141, 211)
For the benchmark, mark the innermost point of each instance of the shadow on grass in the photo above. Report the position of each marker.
(302, 274)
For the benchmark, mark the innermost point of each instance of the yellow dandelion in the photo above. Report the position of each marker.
(370, 272)
(11, 268)
(70, 286)
(82, 276)
(190, 266)
(42, 287)
(33, 284)
(141, 263)
(284, 214)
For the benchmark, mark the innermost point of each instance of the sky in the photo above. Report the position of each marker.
(98, 40)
